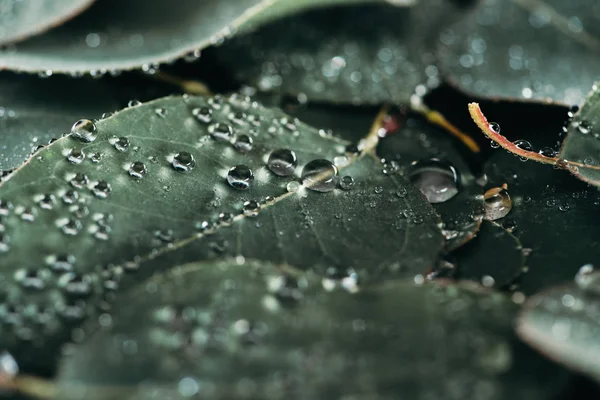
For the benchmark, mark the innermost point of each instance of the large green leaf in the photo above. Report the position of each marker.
(248, 330)
(34, 111)
(71, 225)
(564, 323)
(525, 48)
(122, 35)
(20, 19)
(363, 54)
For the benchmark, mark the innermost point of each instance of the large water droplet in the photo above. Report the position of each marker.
(76, 156)
(184, 162)
(240, 177)
(282, 162)
(436, 179)
(320, 175)
(495, 127)
(101, 189)
(137, 169)
(84, 130)
(497, 203)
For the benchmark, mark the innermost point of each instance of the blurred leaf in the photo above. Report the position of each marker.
(116, 35)
(528, 49)
(20, 19)
(358, 55)
(563, 323)
(220, 330)
(79, 214)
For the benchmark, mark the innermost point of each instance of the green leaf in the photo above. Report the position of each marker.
(116, 35)
(582, 143)
(358, 55)
(494, 257)
(553, 214)
(563, 323)
(35, 111)
(429, 157)
(21, 19)
(72, 227)
(526, 49)
(229, 330)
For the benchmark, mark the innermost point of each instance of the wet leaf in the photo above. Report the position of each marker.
(553, 214)
(34, 111)
(494, 257)
(563, 323)
(431, 160)
(114, 35)
(357, 55)
(525, 48)
(21, 19)
(182, 178)
(219, 330)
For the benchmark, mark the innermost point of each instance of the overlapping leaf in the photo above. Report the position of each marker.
(118, 35)
(80, 213)
(221, 330)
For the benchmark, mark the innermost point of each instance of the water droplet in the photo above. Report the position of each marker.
(161, 112)
(548, 152)
(523, 144)
(84, 130)
(96, 157)
(586, 276)
(70, 197)
(203, 114)
(347, 279)
(221, 132)
(225, 218)
(76, 156)
(293, 186)
(346, 182)
(436, 179)
(134, 103)
(101, 189)
(8, 367)
(30, 278)
(121, 144)
(320, 175)
(497, 203)
(495, 127)
(282, 162)
(584, 127)
(137, 169)
(240, 177)
(402, 192)
(251, 208)
(5, 207)
(184, 162)
(75, 284)
(71, 227)
(61, 262)
(243, 143)
(47, 202)
(378, 189)
(4, 242)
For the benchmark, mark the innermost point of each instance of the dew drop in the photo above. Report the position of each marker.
(30, 278)
(436, 179)
(523, 144)
(586, 276)
(61, 263)
(134, 103)
(76, 156)
(221, 132)
(292, 186)
(497, 203)
(251, 208)
(584, 127)
(184, 162)
(240, 177)
(70, 197)
(548, 152)
(203, 114)
(137, 169)
(5, 207)
(84, 130)
(495, 127)
(225, 218)
(71, 227)
(161, 112)
(346, 182)
(282, 162)
(320, 175)
(8, 367)
(122, 144)
(243, 143)
(101, 189)
(4, 242)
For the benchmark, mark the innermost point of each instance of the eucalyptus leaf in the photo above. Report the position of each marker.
(116, 35)
(253, 331)
(358, 55)
(20, 19)
(34, 111)
(527, 49)
(164, 181)
(563, 323)
(430, 159)
(553, 215)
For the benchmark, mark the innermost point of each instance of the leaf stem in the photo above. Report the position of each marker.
(187, 85)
